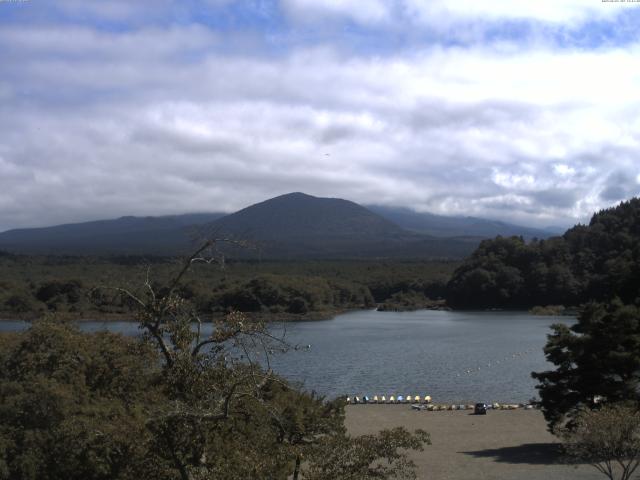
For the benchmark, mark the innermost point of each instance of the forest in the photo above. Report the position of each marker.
(86, 287)
(598, 261)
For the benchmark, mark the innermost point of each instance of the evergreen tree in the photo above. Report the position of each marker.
(597, 360)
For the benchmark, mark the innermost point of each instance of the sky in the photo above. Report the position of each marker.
(523, 111)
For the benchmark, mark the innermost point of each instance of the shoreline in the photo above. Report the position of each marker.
(121, 317)
(260, 316)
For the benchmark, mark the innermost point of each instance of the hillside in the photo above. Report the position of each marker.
(125, 235)
(448, 226)
(589, 262)
(297, 215)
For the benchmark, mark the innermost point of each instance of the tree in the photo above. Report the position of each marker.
(607, 438)
(74, 405)
(215, 385)
(599, 262)
(598, 357)
(368, 456)
(176, 404)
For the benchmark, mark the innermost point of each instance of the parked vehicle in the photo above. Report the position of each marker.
(480, 409)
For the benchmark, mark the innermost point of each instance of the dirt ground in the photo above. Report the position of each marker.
(504, 444)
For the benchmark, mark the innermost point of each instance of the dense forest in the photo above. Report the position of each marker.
(86, 287)
(597, 261)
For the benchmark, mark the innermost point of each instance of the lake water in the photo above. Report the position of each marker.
(452, 356)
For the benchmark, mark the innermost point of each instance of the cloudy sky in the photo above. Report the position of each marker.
(526, 110)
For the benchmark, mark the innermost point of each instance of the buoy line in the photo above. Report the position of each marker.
(494, 363)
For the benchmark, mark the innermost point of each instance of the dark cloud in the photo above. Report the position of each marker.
(619, 186)
(559, 198)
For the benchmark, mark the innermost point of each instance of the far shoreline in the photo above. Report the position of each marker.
(274, 317)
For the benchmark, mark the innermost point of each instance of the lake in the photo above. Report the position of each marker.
(457, 357)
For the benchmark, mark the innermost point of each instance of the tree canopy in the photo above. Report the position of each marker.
(607, 438)
(597, 359)
(172, 404)
(594, 262)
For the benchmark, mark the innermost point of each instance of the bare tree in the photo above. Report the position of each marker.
(209, 378)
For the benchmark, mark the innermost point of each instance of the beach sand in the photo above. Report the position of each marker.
(504, 444)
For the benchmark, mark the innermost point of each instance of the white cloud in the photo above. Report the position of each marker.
(513, 181)
(444, 12)
(469, 15)
(155, 121)
(564, 170)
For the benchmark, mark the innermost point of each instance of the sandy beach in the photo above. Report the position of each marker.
(508, 444)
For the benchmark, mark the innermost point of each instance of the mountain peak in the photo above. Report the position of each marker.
(298, 215)
(294, 195)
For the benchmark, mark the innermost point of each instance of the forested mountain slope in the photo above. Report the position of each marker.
(126, 235)
(589, 262)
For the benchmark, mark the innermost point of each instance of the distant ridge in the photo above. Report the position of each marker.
(291, 226)
(447, 226)
(124, 235)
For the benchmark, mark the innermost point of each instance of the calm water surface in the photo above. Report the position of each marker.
(452, 356)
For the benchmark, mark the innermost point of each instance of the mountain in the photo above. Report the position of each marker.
(290, 226)
(445, 226)
(297, 215)
(125, 235)
(297, 225)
